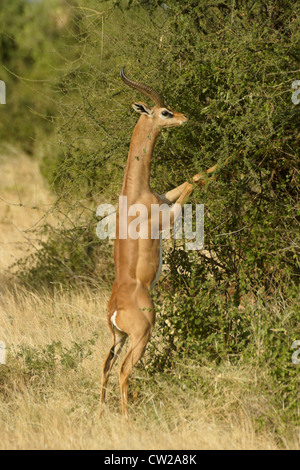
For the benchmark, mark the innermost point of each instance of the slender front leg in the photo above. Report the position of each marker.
(175, 193)
(185, 194)
(177, 196)
(200, 179)
(185, 188)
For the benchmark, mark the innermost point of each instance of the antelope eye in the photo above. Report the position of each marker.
(166, 113)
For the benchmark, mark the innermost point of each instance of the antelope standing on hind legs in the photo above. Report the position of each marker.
(137, 261)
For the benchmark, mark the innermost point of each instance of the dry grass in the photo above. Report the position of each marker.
(49, 389)
(57, 409)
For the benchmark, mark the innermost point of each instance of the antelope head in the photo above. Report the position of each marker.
(161, 115)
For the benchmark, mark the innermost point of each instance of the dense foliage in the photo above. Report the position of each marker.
(32, 48)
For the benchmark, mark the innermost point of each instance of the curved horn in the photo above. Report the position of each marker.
(152, 94)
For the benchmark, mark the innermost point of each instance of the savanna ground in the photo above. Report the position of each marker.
(56, 342)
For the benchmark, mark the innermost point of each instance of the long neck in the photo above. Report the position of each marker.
(137, 173)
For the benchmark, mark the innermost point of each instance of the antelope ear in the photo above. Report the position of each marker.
(142, 108)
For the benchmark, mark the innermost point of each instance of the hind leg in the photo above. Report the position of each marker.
(118, 342)
(138, 343)
(137, 320)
